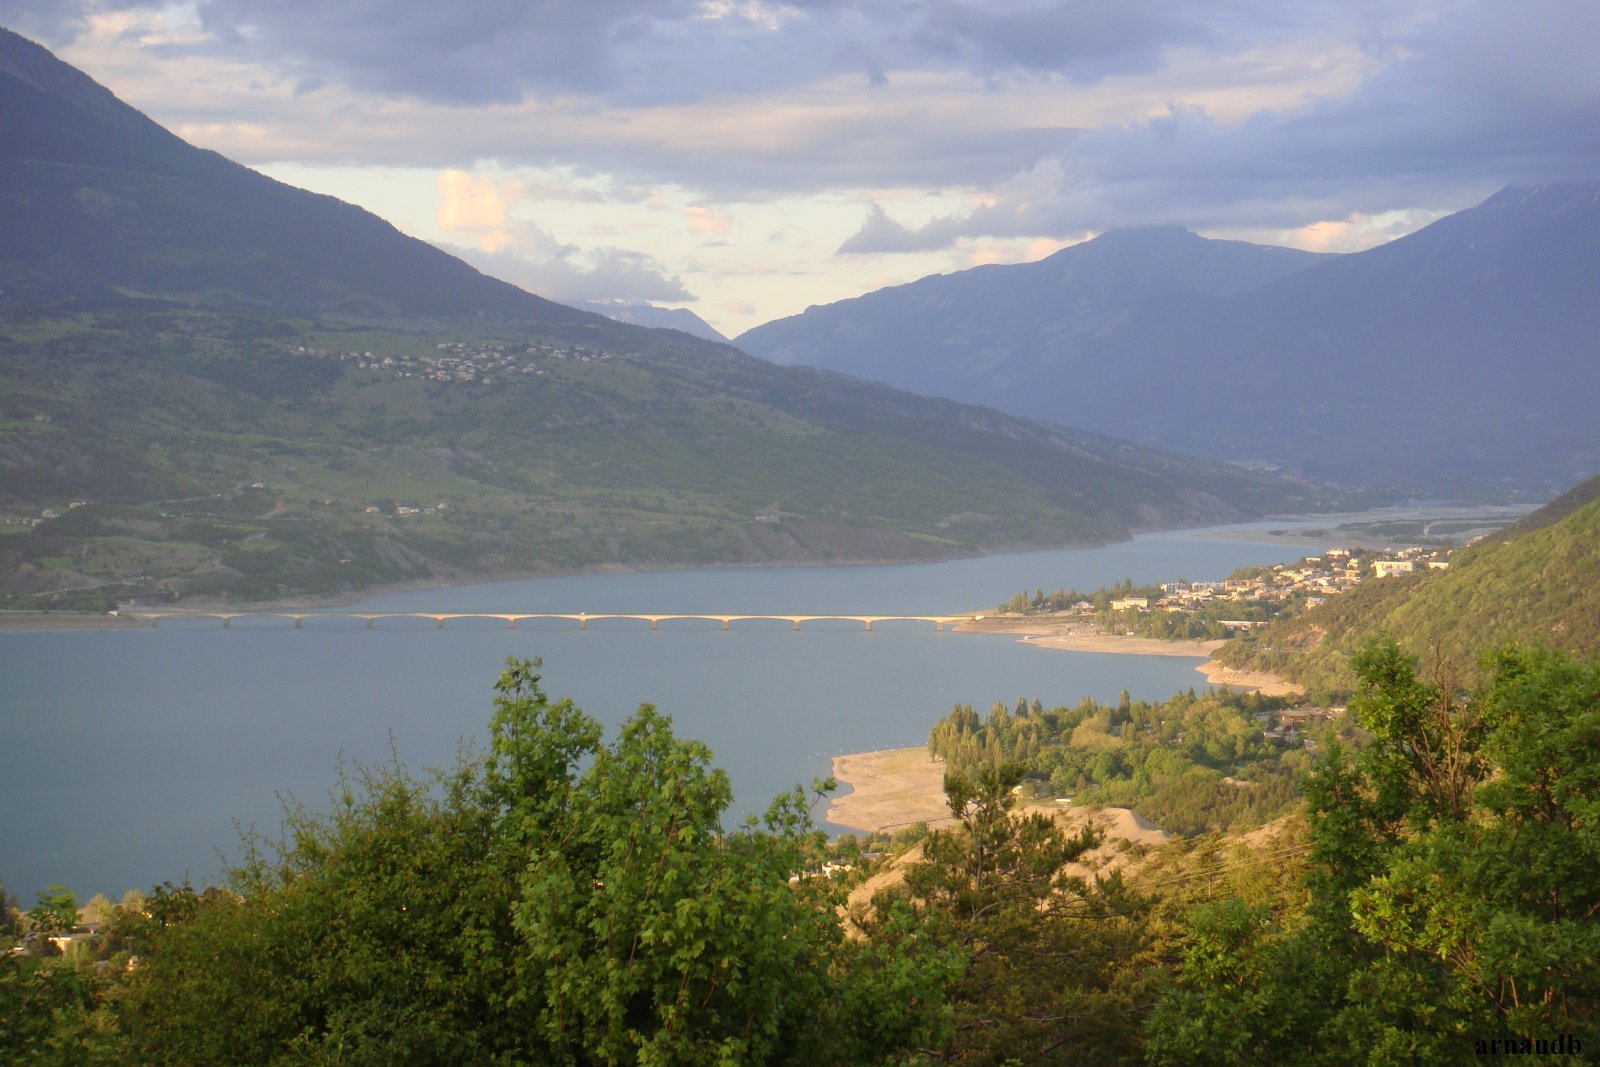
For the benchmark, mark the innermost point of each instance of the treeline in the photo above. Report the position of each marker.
(1024, 603)
(1193, 764)
(1203, 621)
(567, 900)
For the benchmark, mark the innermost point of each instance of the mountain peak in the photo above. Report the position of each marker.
(1552, 198)
(1164, 232)
(97, 200)
(1457, 354)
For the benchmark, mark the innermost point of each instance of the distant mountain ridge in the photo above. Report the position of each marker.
(1465, 355)
(989, 334)
(657, 318)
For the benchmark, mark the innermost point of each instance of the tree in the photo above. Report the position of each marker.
(56, 912)
(1047, 974)
(1455, 879)
(561, 900)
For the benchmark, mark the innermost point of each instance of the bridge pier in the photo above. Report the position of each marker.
(583, 624)
(869, 626)
(440, 621)
(369, 622)
(725, 623)
(226, 621)
(797, 624)
(511, 623)
(655, 624)
(298, 619)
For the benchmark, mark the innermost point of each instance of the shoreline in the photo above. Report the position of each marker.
(1270, 685)
(889, 788)
(49, 619)
(1119, 645)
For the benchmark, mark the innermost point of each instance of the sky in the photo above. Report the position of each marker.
(746, 159)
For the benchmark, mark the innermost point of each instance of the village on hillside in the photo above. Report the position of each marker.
(1180, 610)
(460, 362)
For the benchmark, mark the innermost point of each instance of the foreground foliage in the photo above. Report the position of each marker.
(1455, 877)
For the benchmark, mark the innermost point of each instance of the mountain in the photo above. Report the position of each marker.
(100, 202)
(659, 318)
(1536, 581)
(993, 334)
(1463, 356)
(213, 383)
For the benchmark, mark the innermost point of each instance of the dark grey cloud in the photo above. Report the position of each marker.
(653, 51)
(1458, 98)
(1480, 98)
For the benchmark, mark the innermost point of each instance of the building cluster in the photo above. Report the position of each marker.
(1313, 578)
(461, 362)
(1289, 725)
(43, 516)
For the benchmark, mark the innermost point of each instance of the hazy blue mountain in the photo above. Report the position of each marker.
(657, 318)
(992, 334)
(1466, 355)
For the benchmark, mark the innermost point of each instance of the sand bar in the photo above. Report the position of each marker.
(888, 789)
(1266, 684)
(1122, 645)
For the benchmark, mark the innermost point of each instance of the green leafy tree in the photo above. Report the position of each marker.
(561, 900)
(1455, 885)
(56, 912)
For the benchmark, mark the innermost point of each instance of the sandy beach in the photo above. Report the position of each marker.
(1073, 634)
(1045, 631)
(1127, 646)
(888, 789)
(1267, 684)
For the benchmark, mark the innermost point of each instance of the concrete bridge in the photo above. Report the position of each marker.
(511, 619)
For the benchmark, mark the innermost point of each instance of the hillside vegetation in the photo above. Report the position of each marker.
(1536, 581)
(257, 456)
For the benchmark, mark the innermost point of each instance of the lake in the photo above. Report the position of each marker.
(132, 756)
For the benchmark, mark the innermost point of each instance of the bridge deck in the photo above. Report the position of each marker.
(511, 619)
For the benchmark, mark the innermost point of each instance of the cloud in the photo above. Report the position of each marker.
(650, 52)
(483, 210)
(1439, 120)
(704, 220)
(1043, 119)
(569, 275)
(470, 202)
